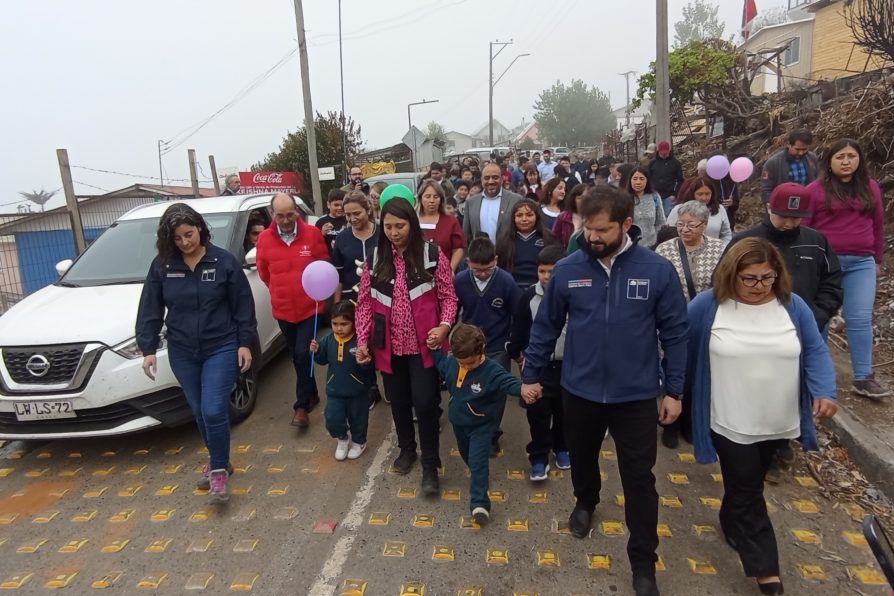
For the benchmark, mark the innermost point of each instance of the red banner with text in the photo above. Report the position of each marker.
(259, 182)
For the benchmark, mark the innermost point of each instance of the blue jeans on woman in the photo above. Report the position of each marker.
(207, 381)
(859, 296)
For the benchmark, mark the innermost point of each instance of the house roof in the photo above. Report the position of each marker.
(531, 130)
(819, 4)
(483, 129)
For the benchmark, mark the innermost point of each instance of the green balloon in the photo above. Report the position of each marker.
(396, 190)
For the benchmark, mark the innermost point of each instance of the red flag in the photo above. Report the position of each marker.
(749, 11)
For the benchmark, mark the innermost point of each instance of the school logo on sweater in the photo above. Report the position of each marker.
(637, 289)
(476, 387)
(580, 283)
(497, 303)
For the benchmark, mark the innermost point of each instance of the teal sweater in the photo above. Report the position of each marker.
(345, 376)
(475, 401)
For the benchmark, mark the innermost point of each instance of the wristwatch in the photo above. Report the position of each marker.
(675, 396)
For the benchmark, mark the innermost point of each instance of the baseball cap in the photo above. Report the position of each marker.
(664, 146)
(790, 200)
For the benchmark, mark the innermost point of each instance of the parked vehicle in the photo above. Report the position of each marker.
(559, 152)
(69, 362)
(409, 179)
(484, 153)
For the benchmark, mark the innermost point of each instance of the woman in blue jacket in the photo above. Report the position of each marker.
(211, 327)
(758, 371)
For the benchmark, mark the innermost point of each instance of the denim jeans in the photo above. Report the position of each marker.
(207, 381)
(859, 296)
(668, 204)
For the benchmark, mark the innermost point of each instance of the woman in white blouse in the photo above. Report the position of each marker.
(758, 372)
(704, 190)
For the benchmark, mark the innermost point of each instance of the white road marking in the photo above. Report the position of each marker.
(332, 568)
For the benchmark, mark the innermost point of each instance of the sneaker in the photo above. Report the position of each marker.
(374, 397)
(431, 486)
(356, 450)
(870, 388)
(205, 481)
(563, 460)
(481, 515)
(341, 449)
(219, 492)
(404, 462)
(539, 472)
(415, 418)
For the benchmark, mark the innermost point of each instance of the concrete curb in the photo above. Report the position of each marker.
(872, 449)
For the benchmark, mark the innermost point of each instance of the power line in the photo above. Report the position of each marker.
(101, 171)
(91, 186)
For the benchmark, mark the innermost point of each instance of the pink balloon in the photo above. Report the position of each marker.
(718, 167)
(741, 169)
(319, 280)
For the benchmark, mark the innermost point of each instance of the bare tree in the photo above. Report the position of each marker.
(773, 16)
(872, 23)
(38, 197)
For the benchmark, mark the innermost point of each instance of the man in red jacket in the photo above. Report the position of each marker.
(284, 250)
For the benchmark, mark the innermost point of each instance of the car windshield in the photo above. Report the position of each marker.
(123, 253)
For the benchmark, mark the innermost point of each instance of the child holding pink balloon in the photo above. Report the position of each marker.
(347, 407)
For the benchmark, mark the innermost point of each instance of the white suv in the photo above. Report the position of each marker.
(69, 363)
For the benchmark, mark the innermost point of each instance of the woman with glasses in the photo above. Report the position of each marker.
(848, 209)
(704, 190)
(758, 372)
(695, 257)
(200, 292)
(437, 226)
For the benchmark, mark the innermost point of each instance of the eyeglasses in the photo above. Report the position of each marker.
(285, 216)
(689, 226)
(751, 282)
(483, 270)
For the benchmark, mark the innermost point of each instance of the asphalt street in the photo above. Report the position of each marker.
(121, 515)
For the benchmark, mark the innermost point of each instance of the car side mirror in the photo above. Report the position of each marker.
(63, 266)
(251, 258)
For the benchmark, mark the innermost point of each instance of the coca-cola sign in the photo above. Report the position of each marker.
(260, 182)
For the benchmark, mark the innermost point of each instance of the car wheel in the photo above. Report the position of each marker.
(245, 392)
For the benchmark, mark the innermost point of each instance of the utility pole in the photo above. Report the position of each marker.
(344, 121)
(627, 76)
(193, 175)
(410, 123)
(308, 111)
(490, 86)
(161, 178)
(662, 76)
(214, 175)
(71, 201)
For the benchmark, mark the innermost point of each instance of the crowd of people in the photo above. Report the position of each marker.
(587, 275)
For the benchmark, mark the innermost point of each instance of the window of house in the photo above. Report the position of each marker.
(792, 52)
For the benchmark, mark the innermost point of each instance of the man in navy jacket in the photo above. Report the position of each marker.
(616, 295)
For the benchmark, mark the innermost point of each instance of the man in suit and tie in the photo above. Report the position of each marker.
(487, 211)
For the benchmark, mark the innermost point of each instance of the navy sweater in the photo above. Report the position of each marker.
(345, 377)
(524, 269)
(475, 398)
(491, 309)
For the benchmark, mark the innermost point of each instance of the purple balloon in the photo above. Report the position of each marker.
(741, 169)
(718, 167)
(319, 280)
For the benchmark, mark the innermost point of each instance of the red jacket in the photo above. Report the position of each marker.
(281, 266)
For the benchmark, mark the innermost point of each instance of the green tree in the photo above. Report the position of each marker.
(573, 115)
(699, 22)
(292, 153)
(436, 131)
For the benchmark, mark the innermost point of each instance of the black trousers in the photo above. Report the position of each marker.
(632, 426)
(545, 417)
(298, 337)
(410, 385)
(502, 358)
(743, 513)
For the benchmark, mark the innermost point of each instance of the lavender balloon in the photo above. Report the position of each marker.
(320, 280)
(718, 167)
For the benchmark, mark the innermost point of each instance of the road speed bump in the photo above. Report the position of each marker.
(497, 556)
(379, 519)
(31, 547)
(73, 546)
(152, 581)
(412, 589)
(855, 538)
(517, 524)
(710, 502)
(701, 567)
(613, 528)
(805, 506)
(443, 553)
(158, 546)
(45, 518)
(122, 516)
(867, 576)
(496, 496)
(451, 494)
(162, 515)
(115, 546)
(678, 478)
(599, 561)
(467, 522)
(664, 531)
(354, 587)
(672, 502)
(548, 558)
(245, 545)
(198, 581)
(811, 572)
(686, 458)
(61, 580)
(16, 581)
(423, 521)
(199, 546)
(107, 581)
(394, 549)
(244, 582)
(83, 517)
(167, 490)
(807, 536)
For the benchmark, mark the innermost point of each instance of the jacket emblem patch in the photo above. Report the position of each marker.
(580, 283)
(637, 289)
(497, 303)
(476, 387)
(209, 274)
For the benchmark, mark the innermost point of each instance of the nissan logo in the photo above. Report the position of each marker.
(38, 365)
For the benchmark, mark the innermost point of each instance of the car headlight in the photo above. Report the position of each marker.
(130, 350)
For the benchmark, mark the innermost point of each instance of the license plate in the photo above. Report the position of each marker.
(43, 410)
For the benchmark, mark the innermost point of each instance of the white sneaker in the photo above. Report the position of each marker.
(341, 449)
(356, 450)
(481, 515)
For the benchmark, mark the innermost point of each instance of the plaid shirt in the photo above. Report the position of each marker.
(797, 171)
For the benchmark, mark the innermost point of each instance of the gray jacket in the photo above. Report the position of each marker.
(472, 215)
(776, 172)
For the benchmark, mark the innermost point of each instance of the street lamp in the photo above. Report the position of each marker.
(341, 71)
(410, 123)
(492, 83)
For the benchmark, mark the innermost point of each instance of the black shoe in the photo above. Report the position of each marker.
(670, 437)
(771, 588)
(404, 462)
(374, 397)
(773, 475)
(644, 585)
(579, 522)
(495, 448)
(785, 455)
(431, 486)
